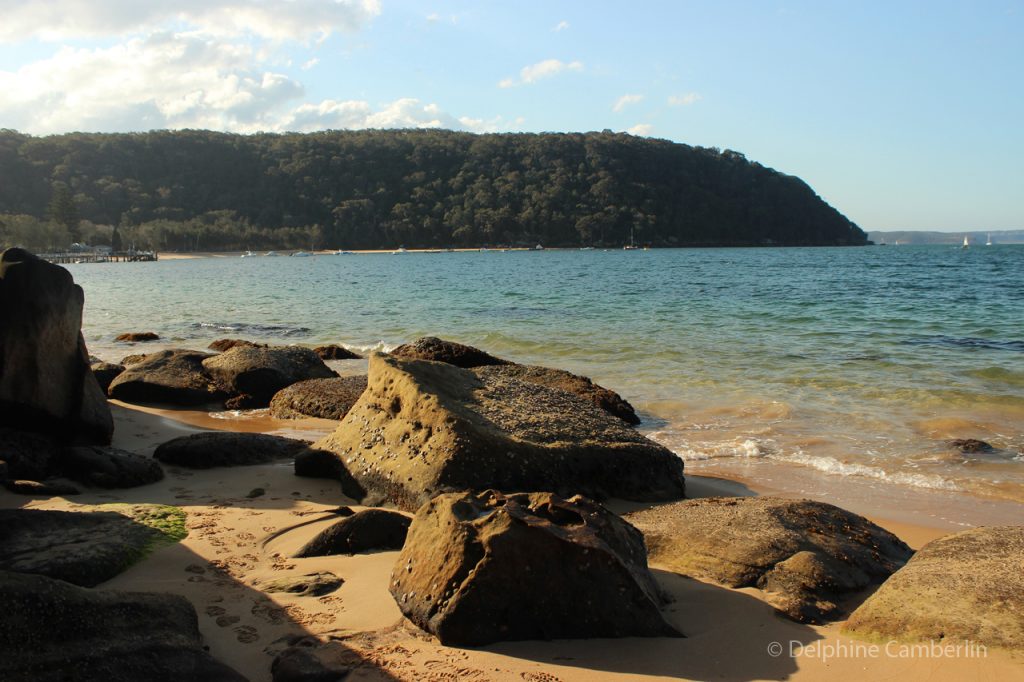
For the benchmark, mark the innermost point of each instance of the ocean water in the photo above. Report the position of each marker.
(848, 362)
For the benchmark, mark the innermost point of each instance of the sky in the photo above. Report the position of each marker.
(902, 115)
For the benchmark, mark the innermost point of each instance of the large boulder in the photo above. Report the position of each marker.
(365, 531)
(87, 546)
(107, 467)
(221, 345)
(225, 449)
(261, 372)
(321, 398)
(439, 350)
(484, 568)
(805, 555)
(52, 631)
(136, 337)
(422, 428)
(968, 587)
(606, 399)
(467, 357)
(46, 384)
(175, 377)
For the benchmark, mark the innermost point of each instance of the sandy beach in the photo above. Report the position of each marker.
(236, 542)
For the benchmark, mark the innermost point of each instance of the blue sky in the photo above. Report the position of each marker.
(903, 115)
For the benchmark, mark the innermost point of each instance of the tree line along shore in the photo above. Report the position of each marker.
(197, 190)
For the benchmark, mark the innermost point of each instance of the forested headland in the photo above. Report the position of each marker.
(201, 190)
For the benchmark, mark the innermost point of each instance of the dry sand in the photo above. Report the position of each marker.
(235, 543)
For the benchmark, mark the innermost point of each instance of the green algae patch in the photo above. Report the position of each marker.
(167, 522)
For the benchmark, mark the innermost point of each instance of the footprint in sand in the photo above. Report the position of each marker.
(246, 634)
(195, 568)
(215, 611)
(539, 677)
(224, 621)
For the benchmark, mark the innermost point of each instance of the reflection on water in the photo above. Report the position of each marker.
(858, 363)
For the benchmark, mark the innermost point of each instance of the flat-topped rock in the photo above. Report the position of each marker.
(52, 631)
(226, 449)
(966, 587)
(468, 357)
(308, 585)
(488, 567)
(320, 398)
(261, 372)
(46, 384)
(136, 337)
(87, 546)
(582, 387)
(806, 555)
(364, 531)
(422, 428)
(175, 377)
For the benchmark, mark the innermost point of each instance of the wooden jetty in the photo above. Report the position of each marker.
(98, 257)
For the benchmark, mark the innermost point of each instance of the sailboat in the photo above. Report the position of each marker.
(988, 242)
(632, 244)
(966, 243)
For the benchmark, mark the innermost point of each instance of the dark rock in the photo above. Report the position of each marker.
(423, 428)
(223, 449)
(968, 587)
(41, 488)
(438, 350)
(334, 352)
(606, 399)
(133, 359)
(806, 555)
(175, 377)
(970, 445)
(321, 398)
(46, 385)
(371, 529)
(309, 585)
(51, 631)
(107, 467)
(315, 463)
(262, 372)
(256, 492)
(84, 547)
(105, 373)
(310, 661)
(485, 568)
(135, 337)
(221, 345)
(28, 455)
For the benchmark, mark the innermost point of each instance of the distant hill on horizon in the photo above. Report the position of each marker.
(973, 236)
(364, 189)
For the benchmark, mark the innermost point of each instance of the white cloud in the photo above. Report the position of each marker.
(55, 20)
(624, 101)
(684, 100)
(165, 80)
(641, 129)
(545, 69)
(560, 26)
(433, 17)
(310, 64)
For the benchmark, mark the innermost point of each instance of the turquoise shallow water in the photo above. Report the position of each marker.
(849, 362)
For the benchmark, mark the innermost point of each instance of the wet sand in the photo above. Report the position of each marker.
(236, 543)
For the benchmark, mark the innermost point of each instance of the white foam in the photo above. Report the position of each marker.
(831, 465)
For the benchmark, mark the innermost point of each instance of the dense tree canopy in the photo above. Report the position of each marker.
(419, 188)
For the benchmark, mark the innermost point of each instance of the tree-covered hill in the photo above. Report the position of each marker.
(418, 188)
